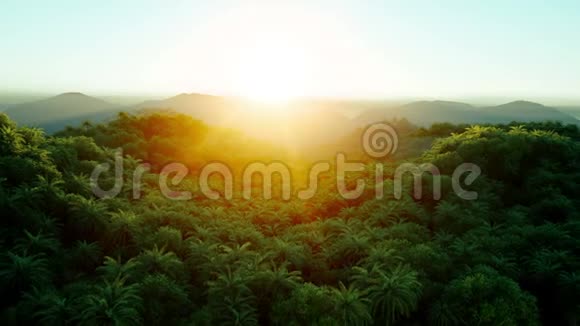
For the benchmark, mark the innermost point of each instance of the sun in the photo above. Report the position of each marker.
(271, 72)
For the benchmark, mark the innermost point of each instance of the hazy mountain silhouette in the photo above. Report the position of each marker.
(93, 117)
(526, 111)
(423, 113)
(428, 112)
(58, 108)
(308, 121)
(208, 108)
(300, 122)
(571, 110)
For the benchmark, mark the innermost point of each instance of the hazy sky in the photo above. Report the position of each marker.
(310, 48)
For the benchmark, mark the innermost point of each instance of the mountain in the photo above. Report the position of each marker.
(63, 107)
(526, 111)
(425, 113)
(74, 121)
(300, 123)
(208, 108)
(571, 110)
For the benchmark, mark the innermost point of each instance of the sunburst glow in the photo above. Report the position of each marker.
(271, 72)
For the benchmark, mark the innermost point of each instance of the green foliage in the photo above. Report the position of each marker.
(164, 300)
(350, 306)
(112, 303)
(49, 307)
(508, 258)
(492, 299)
(21, 272)
(394, 293)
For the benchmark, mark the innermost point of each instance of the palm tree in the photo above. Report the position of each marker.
(349, 249)
(362, 277)
(335, 227)
(36, 244)
(506, 265)
(393, 293)
(231, 299)
(278, 280)
(23, 195)
(203, 233)
(170, 238)
(215, 212)
(11, 140)
(200, 254)
(20, 272)
(112, 303)
(446, 213)
(164, 300)
(308, 304)
(48, 307)
(237, 311)
(236, 253)
(228, 284)
(121, 226)
(546, 264)
(285, 251)
(88, 216)
(570, 287)
(157, 260)
(115, 269)
(45, 224)
(86, 255)
(348, 212)
(78, 184)
(443, 314)
(51, 188)
(350, 307)
(382, 255)
(33, 137)
(273, 229)
(464, 249)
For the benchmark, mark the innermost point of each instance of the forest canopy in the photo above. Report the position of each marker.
(508, 258)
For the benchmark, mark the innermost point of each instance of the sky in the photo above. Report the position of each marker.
(346, 49)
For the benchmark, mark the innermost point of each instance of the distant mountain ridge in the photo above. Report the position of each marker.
(428, 112)
(311, 119)
(57, 108)
(208, 108)
(571, 110)
(530, 111)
